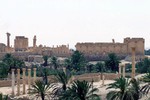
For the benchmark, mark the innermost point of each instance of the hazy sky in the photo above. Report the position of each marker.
(57, 22)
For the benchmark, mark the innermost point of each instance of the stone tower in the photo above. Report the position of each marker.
(8, 39)
(34, 41)
(21, 43)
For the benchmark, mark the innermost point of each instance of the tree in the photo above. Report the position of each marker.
(112, 62)
(124, 90)
(77, 61)
(3, 70)
(41, 90)
(45, 72)
(100, 68)
(3, 97)
(54, 62)
(63, 79)
(143, 66)
(45, 60)
(80, 90)
(89, 67)
(146, 88)
(9, 60)
(147, 52)
(12, 62)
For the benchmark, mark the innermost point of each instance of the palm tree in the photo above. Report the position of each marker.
(100, 68)
(54, 62)
(41, 90)
(45, 72)
(146, 88)
(80, 90)
(124, 90)
(45, 60)
(3, 97)
(63, 78)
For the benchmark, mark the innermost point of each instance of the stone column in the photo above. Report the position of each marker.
(133, 62)
(13, 82)
(8, 40)
(123, 74)
(99, 77)
(24, 80)
(18, 82)
(34, 75)
(103, 80)
(34, 41)
(64, 69)
(29, 78)
(120, 65)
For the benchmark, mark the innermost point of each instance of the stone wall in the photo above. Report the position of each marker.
(88, 77)
(101, 50)
(2, 47)
(21, 43)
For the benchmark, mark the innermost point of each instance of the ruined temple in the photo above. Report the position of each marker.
(94, 51)
(21, 43)
(22, 50)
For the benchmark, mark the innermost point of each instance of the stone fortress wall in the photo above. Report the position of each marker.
(92, 51)
(95, 51)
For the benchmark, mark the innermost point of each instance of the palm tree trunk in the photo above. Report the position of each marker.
(42, 96)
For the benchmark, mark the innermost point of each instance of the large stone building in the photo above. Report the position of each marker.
(94, 51)
(21, 43)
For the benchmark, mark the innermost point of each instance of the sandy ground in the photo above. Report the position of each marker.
(102, 89)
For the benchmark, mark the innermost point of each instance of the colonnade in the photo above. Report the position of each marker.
(122, 66)
(23, 80)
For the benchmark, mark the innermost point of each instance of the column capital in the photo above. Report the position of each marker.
(123, 65)
(34, 69)
(23, 69)
(120, 64)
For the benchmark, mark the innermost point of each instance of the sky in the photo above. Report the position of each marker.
(57, 22)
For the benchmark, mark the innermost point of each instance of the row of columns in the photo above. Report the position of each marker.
(23, 79)
(122, 66)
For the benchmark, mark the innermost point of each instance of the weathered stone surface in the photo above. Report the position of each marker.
(95, 51)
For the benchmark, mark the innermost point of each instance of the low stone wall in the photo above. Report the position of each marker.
(88, 77)
(5, 83)
(96, 76)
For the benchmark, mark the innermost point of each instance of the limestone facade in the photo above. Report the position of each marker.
(121, 49)
(21, 43)
(2, 47)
